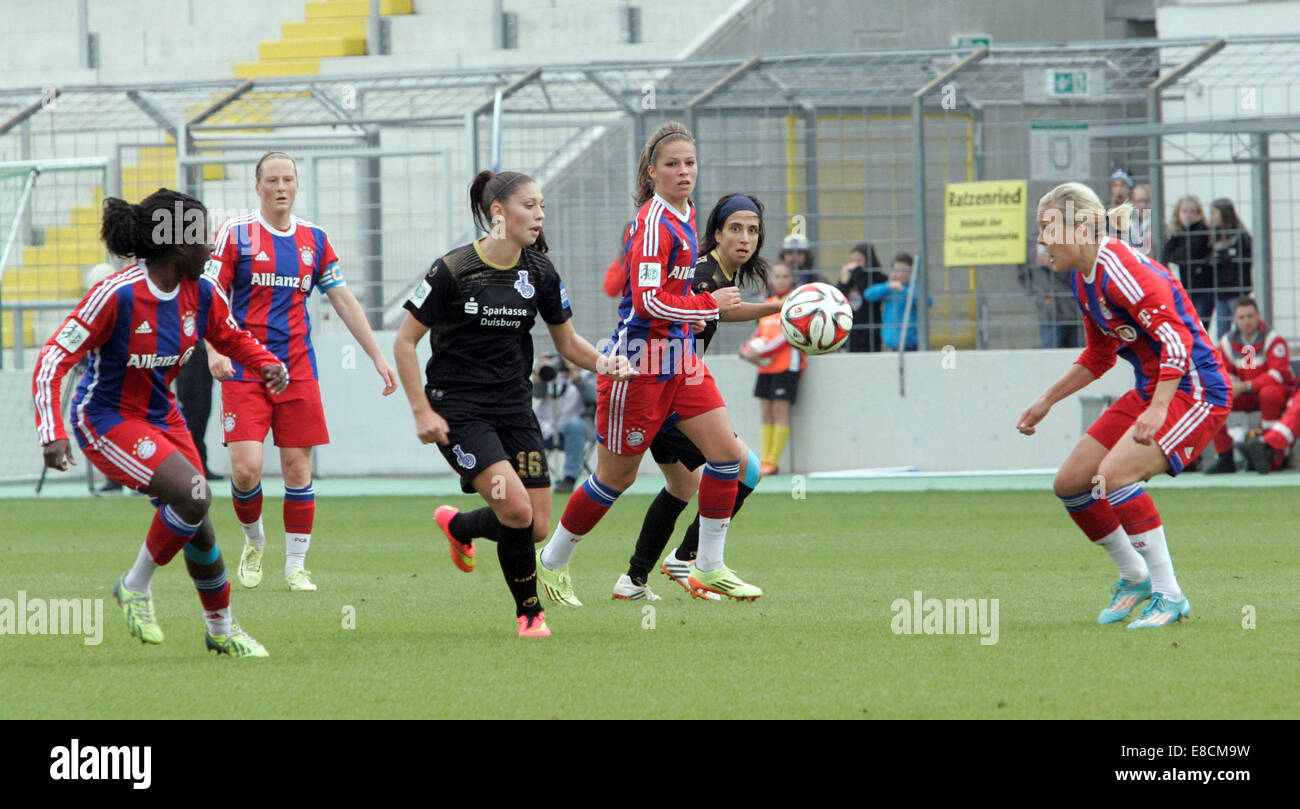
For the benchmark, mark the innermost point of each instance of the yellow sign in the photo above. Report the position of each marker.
(984, 223)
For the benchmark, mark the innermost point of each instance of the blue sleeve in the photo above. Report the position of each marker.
(876, 291)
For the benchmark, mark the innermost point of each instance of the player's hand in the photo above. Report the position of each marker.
(1149, 423)
(617, 367)
(728, 298)
(386, 374)
(58, 454)
(1036, 412)
(698, 326)
(431, 428)
(276, 376)
(220, 366)
(748, 352)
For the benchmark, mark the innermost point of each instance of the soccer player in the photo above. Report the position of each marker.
(139, 327)
(269, 263)
(1259, 367)
(780, 366)
(730, 256)
(1133, 308)
(478, 303)
(654, 334)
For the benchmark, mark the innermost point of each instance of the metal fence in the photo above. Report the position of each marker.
(845, 147)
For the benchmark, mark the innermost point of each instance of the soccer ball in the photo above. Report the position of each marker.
(816, 318)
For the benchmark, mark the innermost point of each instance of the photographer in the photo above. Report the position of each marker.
(560, 406)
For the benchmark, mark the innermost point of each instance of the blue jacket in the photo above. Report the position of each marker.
(892, 314)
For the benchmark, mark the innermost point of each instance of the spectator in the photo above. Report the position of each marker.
(779, 368)
(860, 273)
(894, 294)
(1121, 187)
(561, 407)
(1231, 246)
(1267, 451)
(616, 272)
(1188, 248)
(1053, 297)
(797, 254)
(1259, 366)
(1139, 226)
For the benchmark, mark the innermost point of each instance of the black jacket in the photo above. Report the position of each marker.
(1192, 252)
(1232, 265)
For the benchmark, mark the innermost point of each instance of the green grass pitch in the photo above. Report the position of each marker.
(430, 641)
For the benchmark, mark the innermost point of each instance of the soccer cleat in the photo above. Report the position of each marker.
(556, 584)
(722, 581)
(299, 581)
(462, 553)
(766, 469)
(1224, 465)
(534, 626)
(138, 608)
(1160, 612)
(237, 644)
(250, 565)
(627, 590)
(1259, 456)
(1125, 595)
(680, 572)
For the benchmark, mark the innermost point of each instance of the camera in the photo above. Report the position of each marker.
(550, 367)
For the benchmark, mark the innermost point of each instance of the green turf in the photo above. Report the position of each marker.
(433, 642)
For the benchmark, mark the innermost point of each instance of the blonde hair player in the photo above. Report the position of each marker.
(269, 263)
(1135, 309)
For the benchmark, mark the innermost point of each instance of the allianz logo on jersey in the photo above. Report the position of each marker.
(158, 361)
(270, 279)
(682, 273)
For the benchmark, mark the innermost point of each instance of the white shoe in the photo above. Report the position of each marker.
(680, 572)
(628, 590)
(250, 565)
(299, 580)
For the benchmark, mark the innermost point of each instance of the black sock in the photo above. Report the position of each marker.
(480, 522)
(656, 530)
(691, 542)
(519, 566)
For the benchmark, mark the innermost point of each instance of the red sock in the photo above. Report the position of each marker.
(1095, 518)
(717, 497)
(213, 600)
(587, 505)
(1138, 514)
(299, 509)
(248, 505)
(168, 534)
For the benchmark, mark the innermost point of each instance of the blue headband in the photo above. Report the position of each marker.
(740, 202)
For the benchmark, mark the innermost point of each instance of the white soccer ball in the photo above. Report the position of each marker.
(816, 318)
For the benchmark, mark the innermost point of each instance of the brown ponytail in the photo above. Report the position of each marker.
(669, 132)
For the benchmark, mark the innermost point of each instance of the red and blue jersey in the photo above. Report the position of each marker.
(268, 275)
(1135, 309)
(658, 307)
(136, 338)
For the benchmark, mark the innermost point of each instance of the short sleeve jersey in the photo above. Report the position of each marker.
(480, 317)
(268, 275)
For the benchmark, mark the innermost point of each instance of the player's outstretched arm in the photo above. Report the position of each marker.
(750, 311)
(1075, 379)
(576, 349)
(354, 317)
(430, 427)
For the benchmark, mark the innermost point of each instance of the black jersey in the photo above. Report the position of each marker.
(480, 317)
(708, 277)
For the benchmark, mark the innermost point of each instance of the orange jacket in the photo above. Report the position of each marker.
(771, 344)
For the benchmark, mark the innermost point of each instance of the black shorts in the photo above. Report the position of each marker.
(672, 445)
(783, 385)
(475, 441)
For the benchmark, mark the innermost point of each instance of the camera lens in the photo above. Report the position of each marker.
(546, 373)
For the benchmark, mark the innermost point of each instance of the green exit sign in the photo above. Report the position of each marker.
(1067, 83)
(972, 40)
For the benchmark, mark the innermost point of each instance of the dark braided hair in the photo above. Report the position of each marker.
(489, 187)
(149, 230)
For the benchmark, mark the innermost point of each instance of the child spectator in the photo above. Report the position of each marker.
(779, 367)
(894, 294)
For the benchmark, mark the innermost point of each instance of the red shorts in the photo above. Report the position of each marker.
(131, 452)
(1188, 427)
(295, 417)
(629, 414)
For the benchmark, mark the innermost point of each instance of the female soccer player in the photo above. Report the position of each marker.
(779, 369)
(730, 256)
(480, 302)
(268, 263)
(1135, 309)
(654, 333)
(139, 327)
